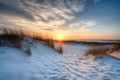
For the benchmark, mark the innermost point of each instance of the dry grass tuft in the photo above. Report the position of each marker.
(14, 37)
(59, 49)
(115, 48)
(96, 51)
(102, 50)
(10, 36)
(28, 51)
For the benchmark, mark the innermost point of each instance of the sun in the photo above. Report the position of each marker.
(59, 37)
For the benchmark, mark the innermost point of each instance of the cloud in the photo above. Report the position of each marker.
(47, 10)
(82, 25)
(42, 13)
(87, 25)
(48, 29)
(52, 8)
(12, 10)
(51, 24)
(75, 5)
(74, 25)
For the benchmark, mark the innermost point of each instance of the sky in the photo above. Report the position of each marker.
(72, 19)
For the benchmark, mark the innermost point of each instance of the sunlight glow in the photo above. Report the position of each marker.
(59, 37)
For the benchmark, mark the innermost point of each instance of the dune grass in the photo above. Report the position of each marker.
(10, 36)
(102, 50)
(96, 51)
(50, 42)
(115, 48)
(59, 48)
(14, 37)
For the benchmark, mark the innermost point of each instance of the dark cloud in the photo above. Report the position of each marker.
(48, 29)
(12, 10)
